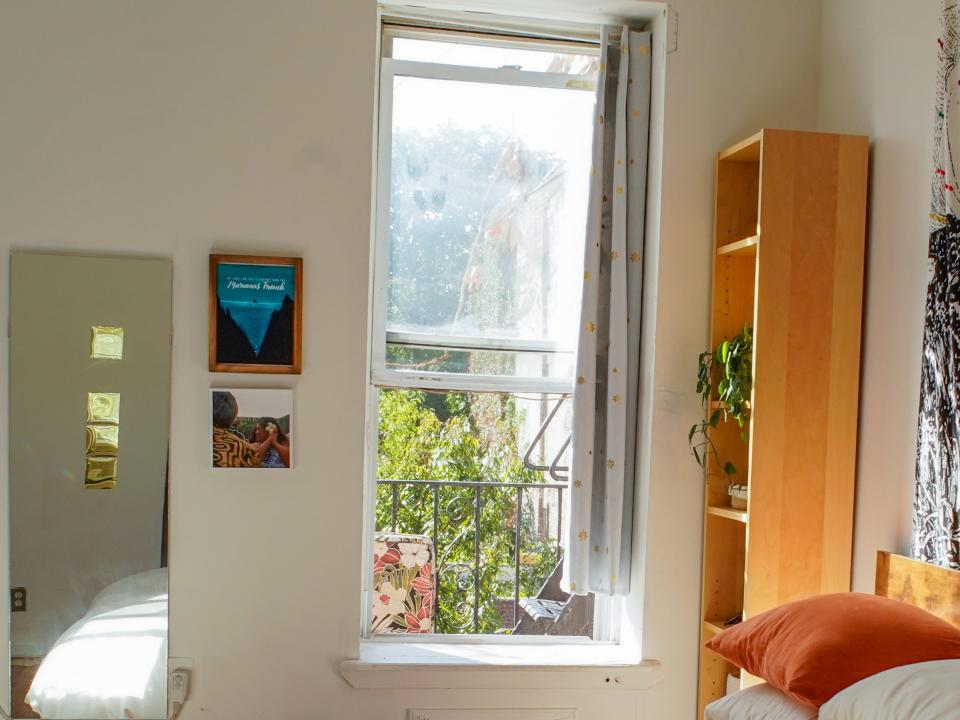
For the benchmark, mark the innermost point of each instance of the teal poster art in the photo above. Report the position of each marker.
(256, 315)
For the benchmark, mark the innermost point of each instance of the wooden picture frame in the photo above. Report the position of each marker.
(255, 317)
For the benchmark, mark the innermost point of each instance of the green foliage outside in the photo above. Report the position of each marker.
(462, 437)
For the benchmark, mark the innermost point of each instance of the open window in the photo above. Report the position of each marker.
(483, 169)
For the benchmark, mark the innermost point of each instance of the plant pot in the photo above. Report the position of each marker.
(738, 496)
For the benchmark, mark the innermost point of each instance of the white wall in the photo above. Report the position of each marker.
(878, 78)
(180, 128)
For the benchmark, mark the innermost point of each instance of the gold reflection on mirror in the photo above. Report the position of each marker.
(106, 342)
(103, 407)
(103, 439)
(101, 473)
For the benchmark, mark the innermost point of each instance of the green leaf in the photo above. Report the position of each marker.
(690, 435)
(730, 469)
(715, 418)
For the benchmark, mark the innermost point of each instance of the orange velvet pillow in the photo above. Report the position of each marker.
(814, 648)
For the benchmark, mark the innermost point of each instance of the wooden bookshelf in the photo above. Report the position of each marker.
(800, 289)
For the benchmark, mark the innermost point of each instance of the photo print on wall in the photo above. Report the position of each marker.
(251, 429)
(255, 314)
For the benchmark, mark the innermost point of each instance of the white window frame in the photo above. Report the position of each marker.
(607, 610)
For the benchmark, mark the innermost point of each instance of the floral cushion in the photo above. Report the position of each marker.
(403, 584)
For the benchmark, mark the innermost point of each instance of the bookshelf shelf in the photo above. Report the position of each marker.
(728, 512)
(747, 246)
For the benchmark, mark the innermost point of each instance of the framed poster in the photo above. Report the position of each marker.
(251, 429)
(256, 306)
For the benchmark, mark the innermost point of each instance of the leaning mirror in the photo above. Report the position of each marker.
(89, 419)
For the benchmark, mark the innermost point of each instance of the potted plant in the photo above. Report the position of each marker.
(730, 366)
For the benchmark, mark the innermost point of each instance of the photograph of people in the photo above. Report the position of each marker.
(251, 429)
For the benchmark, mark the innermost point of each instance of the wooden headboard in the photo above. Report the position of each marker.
(932, 588)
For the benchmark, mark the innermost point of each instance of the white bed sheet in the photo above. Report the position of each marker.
(112, 662)
(759, 702)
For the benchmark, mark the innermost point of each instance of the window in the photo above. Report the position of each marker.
(482, 182)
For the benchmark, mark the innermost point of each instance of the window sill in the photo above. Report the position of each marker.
(482, 666)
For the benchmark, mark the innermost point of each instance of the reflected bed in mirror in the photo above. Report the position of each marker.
(89, 420)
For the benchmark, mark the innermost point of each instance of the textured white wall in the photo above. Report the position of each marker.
(181, 127)
(878, 78)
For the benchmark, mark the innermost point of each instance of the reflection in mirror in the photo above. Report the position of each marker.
(88, 477)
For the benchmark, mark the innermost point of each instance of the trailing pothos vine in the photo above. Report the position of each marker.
(731, 364)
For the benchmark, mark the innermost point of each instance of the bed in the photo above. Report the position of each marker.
(112, 662)
(914, 691)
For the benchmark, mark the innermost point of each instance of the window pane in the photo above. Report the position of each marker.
(491, 56)
(446, 460)
(555, 365)
(488, 197)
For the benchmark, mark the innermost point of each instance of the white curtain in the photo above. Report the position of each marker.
(600, 520)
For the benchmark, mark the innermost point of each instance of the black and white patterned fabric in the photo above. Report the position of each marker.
(936, 524)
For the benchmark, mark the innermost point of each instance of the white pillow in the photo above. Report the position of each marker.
(923, 691)
(130, 590)
(759, 702)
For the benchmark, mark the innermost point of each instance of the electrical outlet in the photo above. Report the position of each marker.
(18, 599)
(179, 685)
